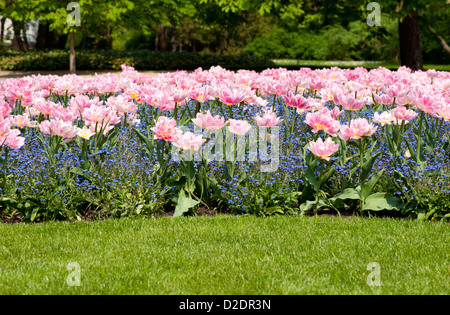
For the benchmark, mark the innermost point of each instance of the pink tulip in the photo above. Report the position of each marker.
(5, 109)
(239, 127)
(67, 114)
(358, 128)
(400, 114)
(18, 94)
(201, 93)
(23, 121)
(315, 84)
(323, 149)
(322, 120)
(13, 140)
(189, 141)
(297, 101)
(268, 119)
(165, 128)
(47, 108)
(85, 133)
(426, 103)
(349, 102)
(67, 85)
(397, 90)
(335, 112)
(84, 101)
(277, 88)
(163, 100)
(232, 96)
(207, 121)
(59, 127)
(121, 104)
(179, 95)
(315, 104)
(444, 111)
(8, 136)
(385, 118)
(125, 68)
(100, 116)
(133, 95)
(404, 100)
(383, 99)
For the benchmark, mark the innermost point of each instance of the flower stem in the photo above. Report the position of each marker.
(419, 138)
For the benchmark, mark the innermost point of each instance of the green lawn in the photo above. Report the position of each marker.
(348, 64)
(226, 255)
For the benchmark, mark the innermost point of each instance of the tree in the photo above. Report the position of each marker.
(411, 14)
(19, 12)
(96, 19)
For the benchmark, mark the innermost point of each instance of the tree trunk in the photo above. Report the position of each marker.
(2, 30)
(181, 39)
(43, 33)
(108, 38)
(17, 40)
(163, 38)
(47, 39)
(173, 39)
(72, 53)
(157, 38)
(410, 42)
(25, 39)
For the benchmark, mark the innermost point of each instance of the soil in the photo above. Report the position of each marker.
(11, 220)
(200, 212)
(92, 215)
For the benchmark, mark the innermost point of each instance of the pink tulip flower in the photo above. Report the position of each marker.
(13, 140)
(322, 120)
(323, 149)
(297, 101)
(58, 127)
(165, 128)
(121, 104)
(189, 141)
(349, 102)
(23, 121)
(268, 119)
(207, 121)
(383, 99)
(5, 109)
(85, 133)
(8, 136)
(232, 96)
(385, 118)
(239, 127)
(426, 103)
(400, 114)
(357, 129)
(444, 111)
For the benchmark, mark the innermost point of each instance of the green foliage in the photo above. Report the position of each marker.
(333, 42)
(184, 203)
(434, 207)
(267, 201)
(109, 59)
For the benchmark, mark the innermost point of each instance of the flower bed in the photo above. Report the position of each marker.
(275, 142)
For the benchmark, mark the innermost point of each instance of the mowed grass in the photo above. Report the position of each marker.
(226, 255)
(349, 64)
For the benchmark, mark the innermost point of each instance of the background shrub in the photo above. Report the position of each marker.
(113, 59)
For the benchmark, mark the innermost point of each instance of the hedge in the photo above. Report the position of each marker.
(113, 59)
